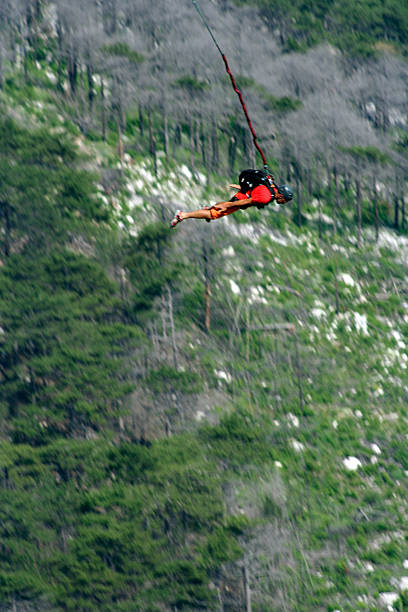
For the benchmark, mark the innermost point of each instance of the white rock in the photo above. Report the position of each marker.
(388, 599)
(51, 76)
(403, 583)
(228, 252)
(292, 418)
(278, 464)
(376, 449)
(199, 415)
(347, 279)
(352, 463)
(398, 338)
(187, 173)
(378, 391)
(135, 200)
(360, 321)
(221, 375)
(405, 564)
(234, 287)
(318, 313)
(298, 446)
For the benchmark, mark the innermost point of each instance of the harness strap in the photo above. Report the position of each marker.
(274, 189)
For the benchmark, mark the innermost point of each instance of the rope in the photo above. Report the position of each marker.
(234, 85)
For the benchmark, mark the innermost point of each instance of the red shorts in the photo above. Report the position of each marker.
(259, 195)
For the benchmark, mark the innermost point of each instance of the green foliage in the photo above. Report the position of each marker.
(122, 49)
(91, 518)
(355, 26)
(368, 215)
(402, 604)
(117, 522)
(167, 378)
(43, 194)
(62, 346)
(150, 267)
(281, 105)
(369, 154)
(191, 84)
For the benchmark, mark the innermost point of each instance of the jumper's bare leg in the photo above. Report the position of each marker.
(202, 213)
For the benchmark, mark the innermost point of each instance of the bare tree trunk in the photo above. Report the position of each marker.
(336, 283)
(177, 137)
(166, 134)
(72, 68)
(247, 589)
(120, 144)
(203, 143)
(173, 333)
(275, 378)
(336, 201)
(207, 288)
(91, 90)
(309, 181)
(247, 332)
(163, 316)
(396, 211)
(299, 198)
(214, 141)
(109, 16)
(396, 203)
(232, 150)
(191, 131)
(5, 208)
(141, 126)
(104, 121)
(25, 60)
(252, 155)
(1, 67)
(320, 223)
(205, 153)
(60, 69)
(346, 180)
(221, 603)
(358, 211)
(152, 141)
(299, 375)
(376, 214)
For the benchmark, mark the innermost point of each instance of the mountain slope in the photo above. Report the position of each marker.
(153, 458)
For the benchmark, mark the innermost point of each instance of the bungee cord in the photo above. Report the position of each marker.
(234, 84)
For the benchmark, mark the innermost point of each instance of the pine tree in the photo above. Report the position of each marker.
(62, 347)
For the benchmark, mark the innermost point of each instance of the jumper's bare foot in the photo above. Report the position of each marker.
(176, 219)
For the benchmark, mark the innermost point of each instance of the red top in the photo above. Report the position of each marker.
(259, 194)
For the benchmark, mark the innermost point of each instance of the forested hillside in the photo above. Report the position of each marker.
(212, 417)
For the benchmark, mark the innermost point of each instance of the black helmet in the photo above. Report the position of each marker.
(286, 191)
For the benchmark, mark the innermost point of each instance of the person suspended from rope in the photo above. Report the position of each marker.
(256, 188)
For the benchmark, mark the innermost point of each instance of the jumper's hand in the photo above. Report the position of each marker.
(221, 206)
(234, 186)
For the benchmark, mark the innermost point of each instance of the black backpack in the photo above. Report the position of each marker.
(248, 179)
